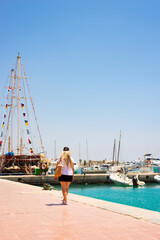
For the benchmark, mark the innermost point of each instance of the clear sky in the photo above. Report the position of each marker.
(94, 68)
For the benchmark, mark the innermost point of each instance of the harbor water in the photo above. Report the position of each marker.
(146, 197)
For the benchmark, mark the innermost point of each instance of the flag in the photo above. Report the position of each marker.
(3, 125)
(1, 134)
(5, 115)
(24, 114)
(6, 106)
(26, 122)
(29, 141)
(9, 89)
(31, 150)
(27, 131)
(0, 143)
(22, 105)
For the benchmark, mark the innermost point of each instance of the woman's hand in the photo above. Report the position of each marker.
(55, 178)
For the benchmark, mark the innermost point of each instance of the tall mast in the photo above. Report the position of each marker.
(12, 71)
(21, 146)
(114, 149)
(119, 148)
(9, 144)
(18, 86)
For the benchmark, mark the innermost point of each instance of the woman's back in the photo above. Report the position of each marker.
(67, 170)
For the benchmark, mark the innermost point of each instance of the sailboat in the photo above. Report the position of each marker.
(25, 149)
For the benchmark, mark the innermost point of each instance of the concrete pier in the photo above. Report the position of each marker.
(39, 180)
(27, 212)
(78, 178)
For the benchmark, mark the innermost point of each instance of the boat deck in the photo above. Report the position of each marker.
(30, 213)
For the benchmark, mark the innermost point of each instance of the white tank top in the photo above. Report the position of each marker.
(67, 170)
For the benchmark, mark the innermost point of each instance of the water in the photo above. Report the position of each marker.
(147, 197)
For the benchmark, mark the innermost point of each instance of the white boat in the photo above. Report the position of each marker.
(95, 167)
(149, 159)
(122, 180)
(76, 167)
(104, 167)
(116, 168)
(157, 178)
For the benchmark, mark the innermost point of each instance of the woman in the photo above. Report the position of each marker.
(67, 172)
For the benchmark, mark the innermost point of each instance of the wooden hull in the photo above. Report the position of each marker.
(19, 163)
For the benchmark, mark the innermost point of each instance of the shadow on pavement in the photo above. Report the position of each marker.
(54, 204)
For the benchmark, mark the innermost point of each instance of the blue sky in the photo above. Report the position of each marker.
(93, 68)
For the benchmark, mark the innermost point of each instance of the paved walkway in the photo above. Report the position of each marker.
(28, 213)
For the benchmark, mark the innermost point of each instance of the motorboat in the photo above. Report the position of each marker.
(122, 180)
(157, 178)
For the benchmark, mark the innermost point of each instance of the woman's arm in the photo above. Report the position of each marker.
(72, 170)
(72, 166)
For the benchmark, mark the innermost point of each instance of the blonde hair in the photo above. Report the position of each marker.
(67, 158)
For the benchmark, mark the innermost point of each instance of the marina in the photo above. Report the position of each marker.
(79, 120)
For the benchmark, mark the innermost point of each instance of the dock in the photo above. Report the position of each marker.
(41, 179)
(78, 178)
(30, 213)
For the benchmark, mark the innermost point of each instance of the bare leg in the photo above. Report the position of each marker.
(67, 186)
(64, 190)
